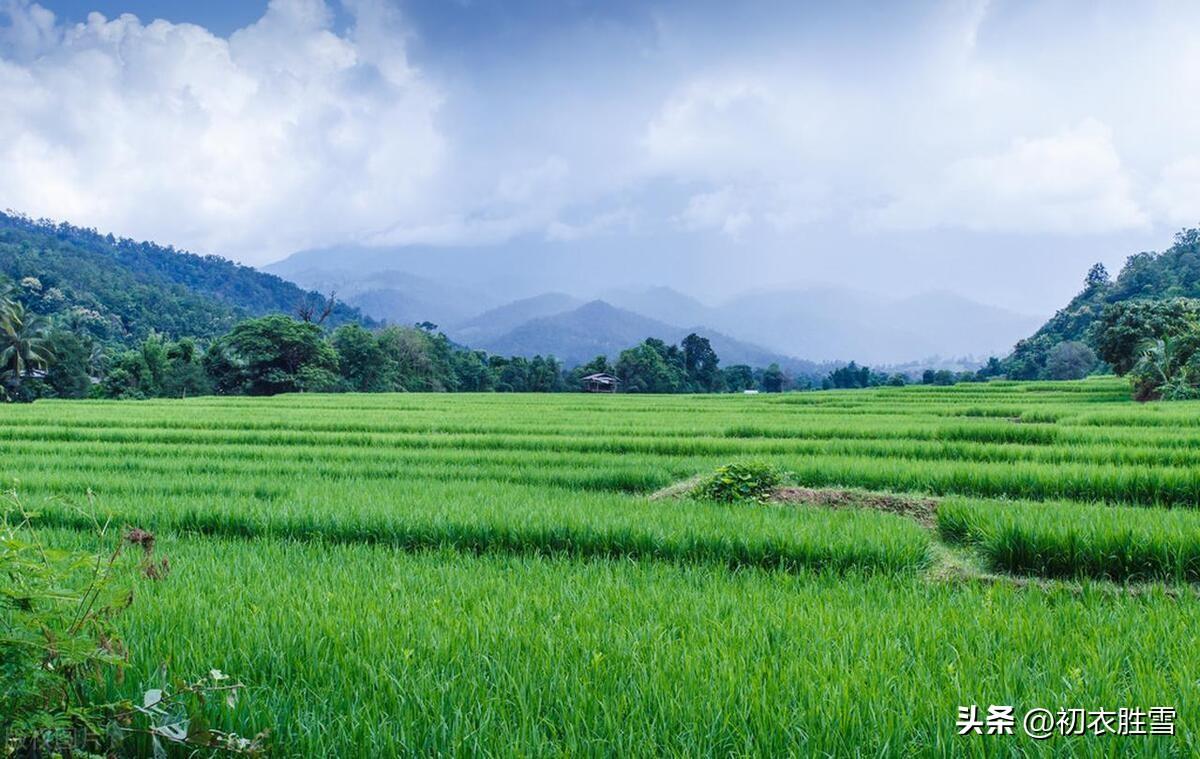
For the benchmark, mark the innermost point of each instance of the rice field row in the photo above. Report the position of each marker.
(365, 651)
(489, 574)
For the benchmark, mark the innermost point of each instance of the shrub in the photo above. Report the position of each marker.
(59, 649)
(747, 481)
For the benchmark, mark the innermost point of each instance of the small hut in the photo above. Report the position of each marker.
(601, 382)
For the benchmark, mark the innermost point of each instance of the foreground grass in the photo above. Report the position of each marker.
(470, 575)
(358, 650)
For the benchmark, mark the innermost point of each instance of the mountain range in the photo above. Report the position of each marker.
(128, 289)
(599, 328)
(824, 324)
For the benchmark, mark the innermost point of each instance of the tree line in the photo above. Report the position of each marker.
(1155, 342)
(42, 357)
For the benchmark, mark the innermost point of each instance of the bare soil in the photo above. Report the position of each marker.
(923, 510)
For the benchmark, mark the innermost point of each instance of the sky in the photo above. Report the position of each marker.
(995, 149)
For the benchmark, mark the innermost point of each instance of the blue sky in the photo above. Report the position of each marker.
(714, 146)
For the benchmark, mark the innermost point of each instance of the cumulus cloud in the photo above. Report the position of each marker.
(1068, 182)
(781, 128)
(977, 116)
(715, 127)
(284, 135)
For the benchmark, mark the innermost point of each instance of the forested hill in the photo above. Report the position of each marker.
(1174, 272)
(125, 289)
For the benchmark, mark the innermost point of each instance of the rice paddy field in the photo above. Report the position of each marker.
(498, 575)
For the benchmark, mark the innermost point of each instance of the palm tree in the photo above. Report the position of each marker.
(7, 298)
(1155, 362)
(23, 344)
(1166, 370)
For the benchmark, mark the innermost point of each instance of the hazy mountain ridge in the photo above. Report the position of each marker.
(841, 324)
(599, 328)
(815, 323)
(495, 322)
(394, 296)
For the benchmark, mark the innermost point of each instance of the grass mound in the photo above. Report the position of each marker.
(744, 481)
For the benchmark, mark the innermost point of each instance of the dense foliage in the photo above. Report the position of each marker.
(740, 481)
(1124, 328)
(1171, 274)
(116, 289)
(273, 354)
(61, 647)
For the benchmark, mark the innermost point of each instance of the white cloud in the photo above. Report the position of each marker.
(720, 209)
(735, 210)
(769, 129)
(620, 218)
(286, 135)
(1069, 182)
(1176, 196)
(715, 126)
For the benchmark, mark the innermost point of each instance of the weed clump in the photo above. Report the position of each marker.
(744, 481)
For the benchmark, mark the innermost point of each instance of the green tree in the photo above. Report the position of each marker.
(365, 366)
(1124, 328)
(993, 368)
(941, 377)
(773, 379)
(68, 373)
(545, 375)
(225, 373)
(738, 377)
(278, 354)
(512, 374)
(472, 372)
(154, 356)
(8, 296)
(1070, 360)
(598, 365)
(184, 376)
(1168, 368)
(1097, 277)
(24, 346)
(849, 376)
(700, 362)
(651, 367)
(411, 351)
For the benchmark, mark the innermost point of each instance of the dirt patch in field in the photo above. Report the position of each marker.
(678, 489)
(923, 510)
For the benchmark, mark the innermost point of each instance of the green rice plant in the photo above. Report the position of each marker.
(1077, 540)
(1028, 434)
(486, 517)
(364, 648)
(483, 574)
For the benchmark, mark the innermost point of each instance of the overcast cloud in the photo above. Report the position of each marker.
(907, 146)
